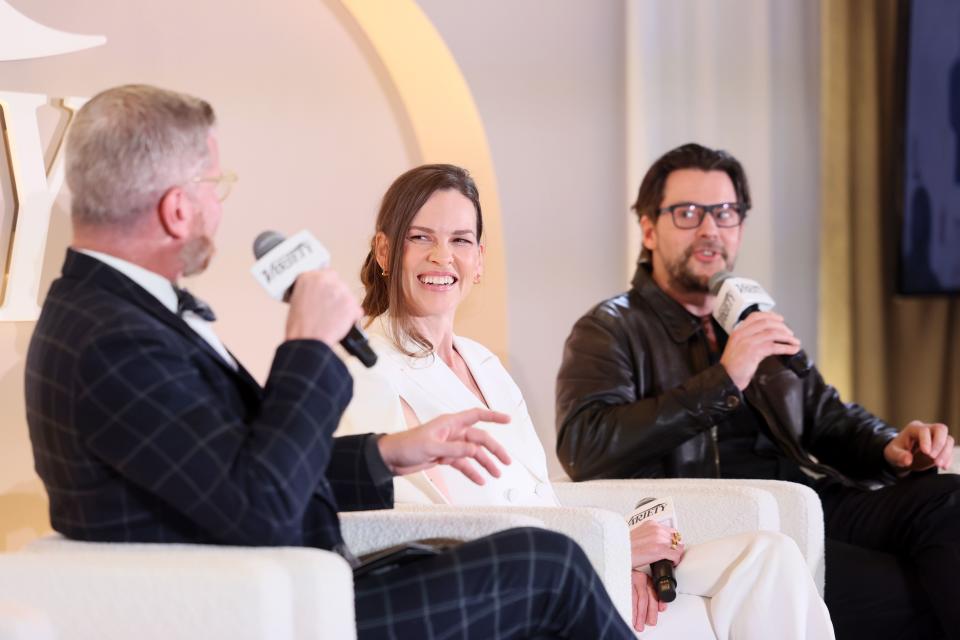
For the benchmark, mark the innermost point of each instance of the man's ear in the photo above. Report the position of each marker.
(381, 250)
(483, 250)
(649, 233)
(176, 213)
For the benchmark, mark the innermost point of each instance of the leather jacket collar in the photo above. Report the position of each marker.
(679, 323)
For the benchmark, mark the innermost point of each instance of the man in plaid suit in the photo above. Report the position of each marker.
(145, 429)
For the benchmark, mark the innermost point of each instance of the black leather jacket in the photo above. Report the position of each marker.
(637, 397)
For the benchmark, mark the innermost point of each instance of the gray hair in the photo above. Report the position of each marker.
(128, 145)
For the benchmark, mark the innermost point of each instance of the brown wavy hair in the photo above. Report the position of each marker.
(405, 197)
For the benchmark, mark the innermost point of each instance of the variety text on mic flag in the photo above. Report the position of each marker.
(736, 295)
(658, 509)
(278, 268)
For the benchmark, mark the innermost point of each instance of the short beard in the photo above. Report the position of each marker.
(683, 279)
(196, 253)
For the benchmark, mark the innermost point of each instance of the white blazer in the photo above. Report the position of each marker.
(432, 389)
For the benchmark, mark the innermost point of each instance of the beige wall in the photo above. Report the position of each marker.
(548, 78)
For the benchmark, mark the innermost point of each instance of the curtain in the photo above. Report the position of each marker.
(899, 356)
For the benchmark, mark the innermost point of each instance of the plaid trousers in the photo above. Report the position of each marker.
(519, 583)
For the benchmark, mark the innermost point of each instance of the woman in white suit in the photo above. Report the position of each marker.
(425, 257)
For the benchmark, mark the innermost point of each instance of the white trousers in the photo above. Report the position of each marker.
(752, 585)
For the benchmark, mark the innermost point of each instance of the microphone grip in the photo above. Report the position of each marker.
(355, 342)
(663, 580)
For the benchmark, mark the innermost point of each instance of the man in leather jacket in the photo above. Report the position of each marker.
(650, 386)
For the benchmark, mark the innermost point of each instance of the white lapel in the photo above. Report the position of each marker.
(502, 395)
(431, 388)
(484, 366)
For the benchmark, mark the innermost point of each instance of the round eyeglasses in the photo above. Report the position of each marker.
(690, 215)
(222, 184)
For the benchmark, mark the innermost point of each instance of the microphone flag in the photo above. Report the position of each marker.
(278, 268)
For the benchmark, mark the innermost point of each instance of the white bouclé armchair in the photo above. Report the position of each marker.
(76, 591)
(593, 514)
(79, 590)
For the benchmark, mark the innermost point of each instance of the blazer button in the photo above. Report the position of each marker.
(540, 490)
(733, 402)
(511, 495)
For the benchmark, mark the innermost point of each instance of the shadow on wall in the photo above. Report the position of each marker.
(24, 516)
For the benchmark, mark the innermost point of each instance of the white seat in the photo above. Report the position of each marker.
(955, 467)
(594, 515)
(18, 622)
(73, 590)
(98, 590)
(708, 509)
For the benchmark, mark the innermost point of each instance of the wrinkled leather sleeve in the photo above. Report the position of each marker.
(610, 424)
(845, 436)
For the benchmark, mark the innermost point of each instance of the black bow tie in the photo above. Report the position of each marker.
(186, 302)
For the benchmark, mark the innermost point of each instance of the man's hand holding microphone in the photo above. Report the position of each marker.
(754, 332)
(759, 336)
(322, 307)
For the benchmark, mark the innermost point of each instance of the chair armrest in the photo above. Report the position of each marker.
(706, 509)
(801, 518)
(177, 590)
(710, 508)
(601, 534)
(955, 465)
(18, 622)
(366, 531)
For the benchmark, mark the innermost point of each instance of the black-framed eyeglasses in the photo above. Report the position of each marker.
(690, 215)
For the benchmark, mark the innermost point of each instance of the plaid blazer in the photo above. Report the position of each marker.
(141, 432)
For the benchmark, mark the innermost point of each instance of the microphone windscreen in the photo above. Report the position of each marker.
(716, 281)
(265, 242)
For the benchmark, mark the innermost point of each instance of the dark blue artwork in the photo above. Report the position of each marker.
(930, 260)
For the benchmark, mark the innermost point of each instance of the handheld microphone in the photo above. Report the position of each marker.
(737, 298)
(281, 260)
(664, 580)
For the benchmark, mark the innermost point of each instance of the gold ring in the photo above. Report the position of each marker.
(675, 541)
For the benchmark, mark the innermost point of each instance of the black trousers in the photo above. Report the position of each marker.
(519, 583)
(893, 559)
